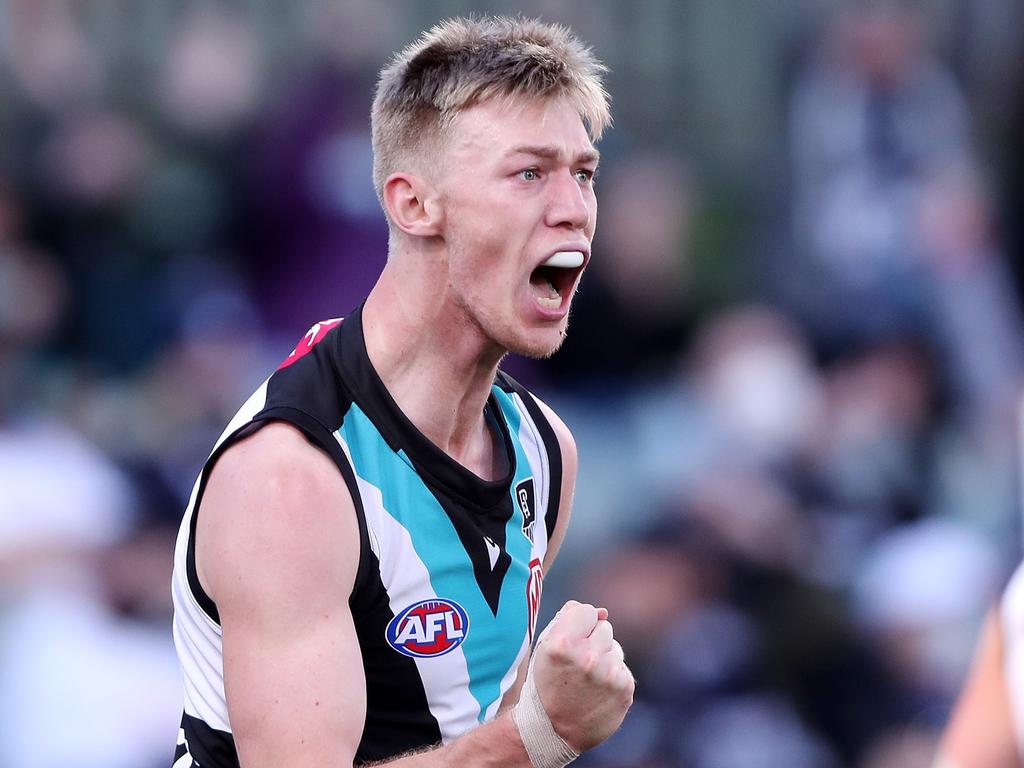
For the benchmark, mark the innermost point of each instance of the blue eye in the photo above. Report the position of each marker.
(529, 174)
(584, 176)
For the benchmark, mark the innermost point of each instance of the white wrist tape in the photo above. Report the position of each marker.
(544, 746)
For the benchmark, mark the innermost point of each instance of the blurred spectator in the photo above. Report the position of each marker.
(869, 448)
(317, 235)
(51, 60)
(82, 596)
(211, 79)
(769, 422)
(921, 592)
(973, 293)
(873, 117)
(64, 646)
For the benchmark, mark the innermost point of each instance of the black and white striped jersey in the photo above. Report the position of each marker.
(449, 578)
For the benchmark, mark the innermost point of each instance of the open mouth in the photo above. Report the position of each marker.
(552, 284)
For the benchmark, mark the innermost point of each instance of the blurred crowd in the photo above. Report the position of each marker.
(795, 391)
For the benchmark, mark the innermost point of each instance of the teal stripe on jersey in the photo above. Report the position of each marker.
(493, 642)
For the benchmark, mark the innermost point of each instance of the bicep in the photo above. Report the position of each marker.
(278, 544)
(295, 697)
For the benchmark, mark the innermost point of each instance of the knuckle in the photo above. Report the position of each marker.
(628, 686)
(558, 650)
(626, 699)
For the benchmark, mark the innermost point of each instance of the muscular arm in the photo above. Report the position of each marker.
(277, 549)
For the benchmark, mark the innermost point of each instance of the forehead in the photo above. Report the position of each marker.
(498, 127)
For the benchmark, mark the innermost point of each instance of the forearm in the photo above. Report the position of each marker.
(496, 744)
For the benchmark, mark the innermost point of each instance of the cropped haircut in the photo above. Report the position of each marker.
(463, 62)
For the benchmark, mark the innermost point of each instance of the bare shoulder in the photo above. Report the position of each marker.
(570, 463)
(275, 504)
(275, 457)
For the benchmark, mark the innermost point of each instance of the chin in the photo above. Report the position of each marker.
(539, 346)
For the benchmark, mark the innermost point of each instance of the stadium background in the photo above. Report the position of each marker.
(793, 371)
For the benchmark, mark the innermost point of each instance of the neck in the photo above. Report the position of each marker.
(434, 362)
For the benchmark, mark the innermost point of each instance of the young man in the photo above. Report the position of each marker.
(358, 573)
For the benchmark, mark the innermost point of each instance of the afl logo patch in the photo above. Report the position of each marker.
(428, 628)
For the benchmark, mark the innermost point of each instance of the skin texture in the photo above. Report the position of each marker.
(980, 733)
(513, 185)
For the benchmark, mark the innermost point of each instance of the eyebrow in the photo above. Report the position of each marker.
(553, 153)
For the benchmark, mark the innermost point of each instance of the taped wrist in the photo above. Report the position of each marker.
(544, 746)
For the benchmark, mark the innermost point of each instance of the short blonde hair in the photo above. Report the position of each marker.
(462, 62)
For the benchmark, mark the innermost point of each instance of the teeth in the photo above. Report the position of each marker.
(565, 260)
(552, 292)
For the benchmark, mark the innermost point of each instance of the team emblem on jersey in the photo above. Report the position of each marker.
(429, 628)
(526, 499)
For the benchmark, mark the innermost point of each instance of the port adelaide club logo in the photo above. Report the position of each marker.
(526, 499)
(429, 628)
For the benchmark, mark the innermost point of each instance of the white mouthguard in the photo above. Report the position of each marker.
(565, 260)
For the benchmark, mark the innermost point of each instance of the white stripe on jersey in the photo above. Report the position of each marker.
(537, 455)
(196, 636)
(407, 581)
(185, 761)
(509, 678)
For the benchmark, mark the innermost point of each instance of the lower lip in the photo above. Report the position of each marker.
(548, 313)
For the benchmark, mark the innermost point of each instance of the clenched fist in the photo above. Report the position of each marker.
(584, 684)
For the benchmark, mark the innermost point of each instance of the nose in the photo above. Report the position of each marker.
(570, 204)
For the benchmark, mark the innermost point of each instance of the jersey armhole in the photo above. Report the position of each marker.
(319, 436)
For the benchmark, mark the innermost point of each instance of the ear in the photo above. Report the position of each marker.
(413, 205)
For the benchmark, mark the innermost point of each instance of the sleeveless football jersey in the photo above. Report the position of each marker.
(449, 577)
